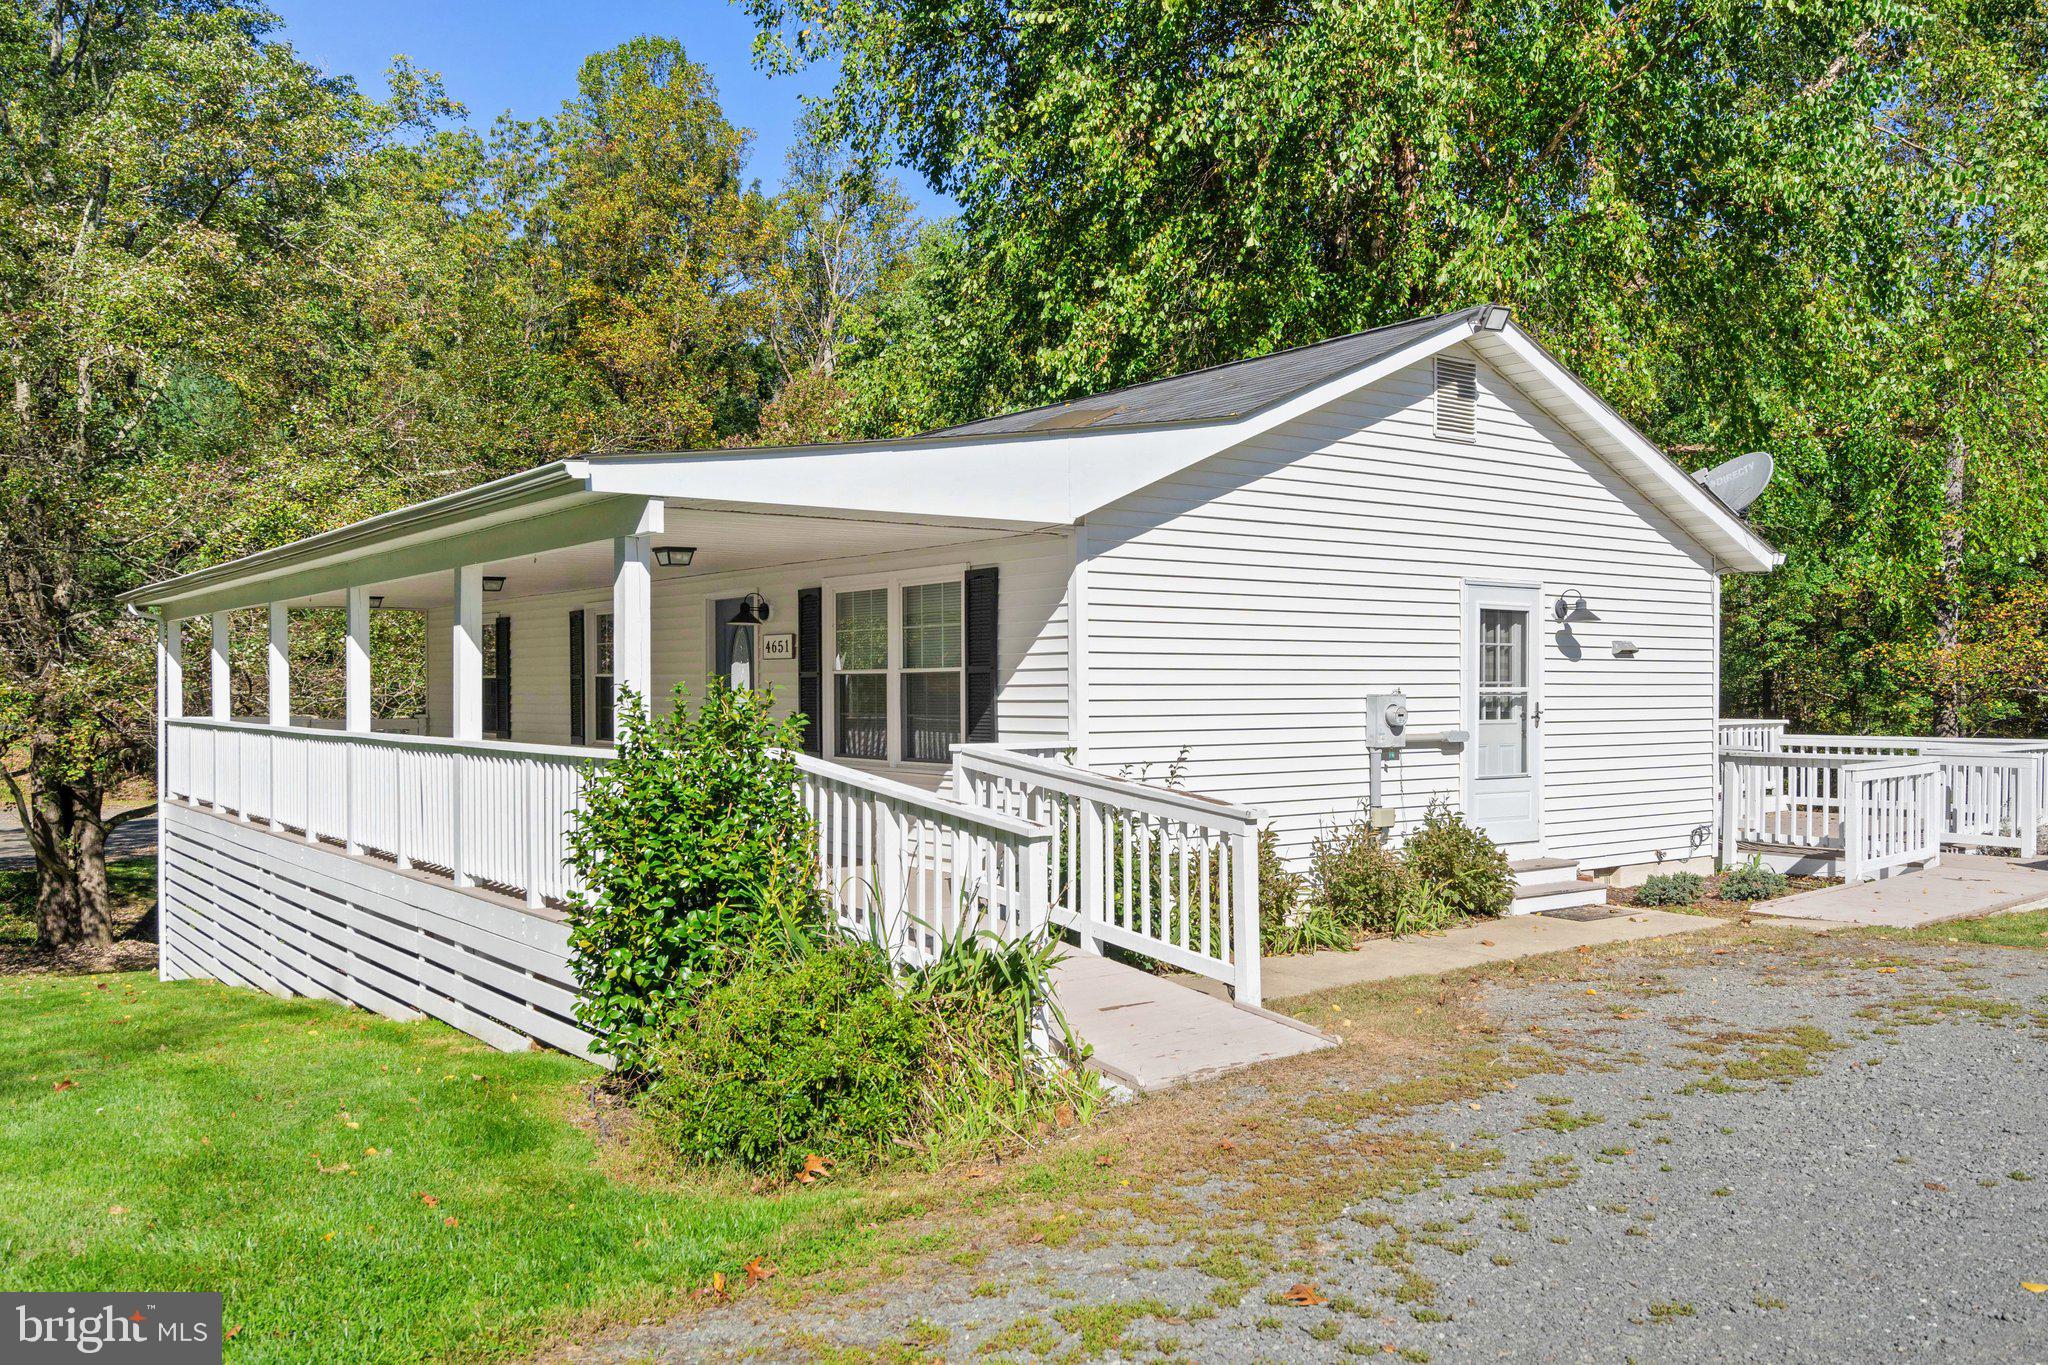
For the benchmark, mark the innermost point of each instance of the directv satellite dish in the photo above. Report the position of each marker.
(1740, 481)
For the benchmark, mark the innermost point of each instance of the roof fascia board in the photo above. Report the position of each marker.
(577, 520)
(978, 481)
(1662, 478)
(514, 495)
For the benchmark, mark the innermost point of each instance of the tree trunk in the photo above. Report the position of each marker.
(1948, 597)
(73, 904)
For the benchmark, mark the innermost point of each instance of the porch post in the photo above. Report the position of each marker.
(223, 696)
(467, 703)
(633, 609)
(280, 664)
(356, 663)
(466, 707)
(170, 704)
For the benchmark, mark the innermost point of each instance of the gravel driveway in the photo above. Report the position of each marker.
(1785, 1151)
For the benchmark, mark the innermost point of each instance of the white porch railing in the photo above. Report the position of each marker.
(911, 868)
(1165, 873)
(1874, 815)
(483, 813)
(1994, 791)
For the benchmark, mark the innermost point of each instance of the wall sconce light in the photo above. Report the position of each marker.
(376, 600)
(1570, 606)
(494, 582)
(674, 556)
(753, 611)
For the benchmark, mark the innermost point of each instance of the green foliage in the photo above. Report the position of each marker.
(1358, 878)
(1752, 882)
(694, 844)
(1671, 888)
(1314, 928)
(811, 1052)
(1468, 870)
(1280, 888)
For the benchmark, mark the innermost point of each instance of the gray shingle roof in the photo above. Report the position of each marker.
(1218, 393)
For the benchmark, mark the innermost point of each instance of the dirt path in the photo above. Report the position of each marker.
(1782, 1149)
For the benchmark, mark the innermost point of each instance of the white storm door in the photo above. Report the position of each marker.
(1503, 711)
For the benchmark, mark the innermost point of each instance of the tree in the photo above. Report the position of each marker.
(165, 180)
(840, 235)
(644, 242)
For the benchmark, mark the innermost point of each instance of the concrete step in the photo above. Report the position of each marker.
(1556, 895)
(1536, 871)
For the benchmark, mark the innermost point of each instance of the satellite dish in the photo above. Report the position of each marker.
(1740, 481)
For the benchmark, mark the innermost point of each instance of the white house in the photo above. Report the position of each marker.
(1223, 566)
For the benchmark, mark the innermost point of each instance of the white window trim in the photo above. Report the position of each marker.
(828, 689)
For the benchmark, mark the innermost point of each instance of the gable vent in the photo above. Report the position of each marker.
(1457, 398)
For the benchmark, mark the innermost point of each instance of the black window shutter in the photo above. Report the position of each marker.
(505, 677)
(576, 730)
(810, 660)
(981, 656)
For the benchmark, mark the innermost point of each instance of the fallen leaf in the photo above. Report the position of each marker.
(716, 1289)
(1227, 1145)
(1063, 1115)
(1105, 1160)
(1934, 1184)
(233, 1332)
(1887, 971)
(2033, 1288)
(449, 1220)
(116, 1211)
(1486, 943)
(63, 1085)
(758, 1270)
(431, 1201)
(1304, 1296)
(814, 1167)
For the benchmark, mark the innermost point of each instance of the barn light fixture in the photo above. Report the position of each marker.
(753, 611)
(674, 556)
(494, 582)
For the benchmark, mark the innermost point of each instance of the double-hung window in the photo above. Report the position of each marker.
(898, 668)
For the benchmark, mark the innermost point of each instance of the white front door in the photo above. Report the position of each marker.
(1504, 711)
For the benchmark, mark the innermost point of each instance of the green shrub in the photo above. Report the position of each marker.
(1468, 870)
(1279, 889)
(1671, 888)
(1752, 882)
(1315, 929)
(693, 843)
(1357, 879)
(812, 1052)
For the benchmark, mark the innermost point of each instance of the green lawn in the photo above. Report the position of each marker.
(2022, 929)
(186, 1135)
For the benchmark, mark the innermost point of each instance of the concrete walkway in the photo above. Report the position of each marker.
(1151, 1032)
(1960, 886)
(1468, 945)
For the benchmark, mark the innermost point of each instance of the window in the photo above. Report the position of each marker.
(603, 675)
(932, 650)
(860, 683)
(898, 671)
(1503, 692)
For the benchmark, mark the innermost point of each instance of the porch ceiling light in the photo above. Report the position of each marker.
(494, 582)
(753, 611)
(674, 556)
(376, 600)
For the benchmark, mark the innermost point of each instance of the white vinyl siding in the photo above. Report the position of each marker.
(1031, 701)
(1245, 607)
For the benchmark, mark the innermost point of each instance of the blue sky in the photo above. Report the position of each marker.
(522, 55)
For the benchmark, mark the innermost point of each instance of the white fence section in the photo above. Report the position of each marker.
(1993, 791)
(1874, 815)
(910, 869)
(1165, 873)
(483, 813)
